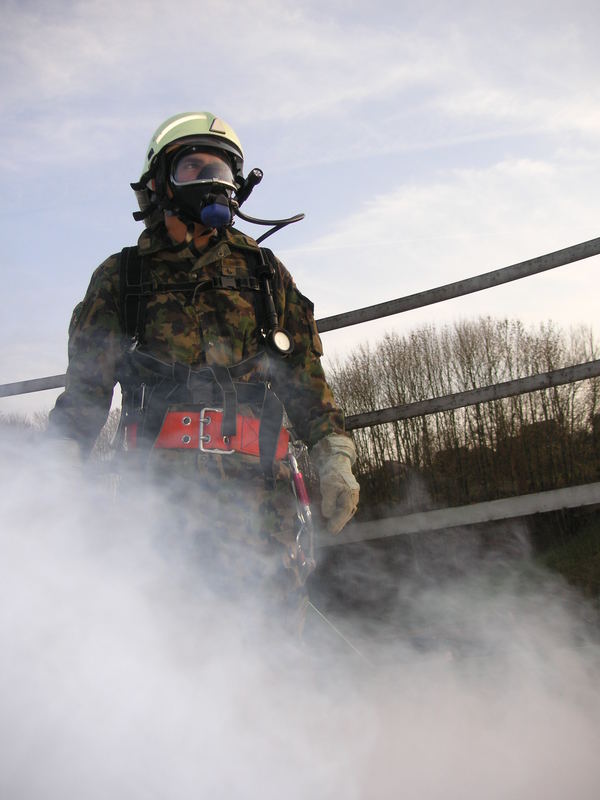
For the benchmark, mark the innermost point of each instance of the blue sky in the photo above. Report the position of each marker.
(425, 143)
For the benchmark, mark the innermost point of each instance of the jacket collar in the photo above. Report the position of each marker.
(157, 240)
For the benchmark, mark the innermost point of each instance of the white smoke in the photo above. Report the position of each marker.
(122, 676)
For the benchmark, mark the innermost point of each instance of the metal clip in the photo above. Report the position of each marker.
(142, 397)
(302, 551)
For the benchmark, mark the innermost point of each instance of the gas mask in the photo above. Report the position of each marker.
(202, 183)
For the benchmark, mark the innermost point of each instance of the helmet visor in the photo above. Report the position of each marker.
(197, 166)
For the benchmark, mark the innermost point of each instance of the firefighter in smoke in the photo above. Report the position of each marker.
(218, 357)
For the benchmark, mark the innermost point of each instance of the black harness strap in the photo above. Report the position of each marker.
(264, 268)
(229, 282)
(134, 293)
(259, 395)
(223, 378)
(271, 420)
(218, 282)
(135, 290)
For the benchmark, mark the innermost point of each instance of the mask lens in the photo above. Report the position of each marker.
(195, 166)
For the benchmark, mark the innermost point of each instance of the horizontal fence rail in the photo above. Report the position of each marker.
(462, 516)
(523, 269)
(434, 405)
(497, 391)
(34, 385)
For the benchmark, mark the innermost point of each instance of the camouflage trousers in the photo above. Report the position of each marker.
(239, 531)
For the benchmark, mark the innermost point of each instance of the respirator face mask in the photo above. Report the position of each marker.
(202, 183)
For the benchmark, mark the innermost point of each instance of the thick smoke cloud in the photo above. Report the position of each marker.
(122, 675)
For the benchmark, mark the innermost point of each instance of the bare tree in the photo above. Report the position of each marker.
(540, 440)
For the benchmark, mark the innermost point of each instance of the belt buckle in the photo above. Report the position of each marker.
(206, 419)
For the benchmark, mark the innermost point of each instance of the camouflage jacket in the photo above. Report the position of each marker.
(218, 326)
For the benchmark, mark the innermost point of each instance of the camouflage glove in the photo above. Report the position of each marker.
(333, 457)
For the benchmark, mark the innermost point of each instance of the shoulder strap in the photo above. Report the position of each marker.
(266, 276)
(270, 260)
(133, 293)
(135, 289)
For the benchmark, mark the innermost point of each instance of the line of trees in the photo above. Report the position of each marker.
(541, 440)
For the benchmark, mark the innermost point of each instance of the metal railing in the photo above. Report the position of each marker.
(463, 516)
(559, 258)
(497, 391)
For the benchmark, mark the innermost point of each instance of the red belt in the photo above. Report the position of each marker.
(201, 430)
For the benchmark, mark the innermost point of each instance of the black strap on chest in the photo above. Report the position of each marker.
(134, 292)
(137, 287)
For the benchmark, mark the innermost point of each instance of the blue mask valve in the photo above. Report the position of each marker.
(216, 215)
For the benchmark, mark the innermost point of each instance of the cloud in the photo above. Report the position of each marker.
(504, 200)
(103, 73)
(335, 84)
(93, 46)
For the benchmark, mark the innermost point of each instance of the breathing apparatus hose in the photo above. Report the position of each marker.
(277, 224)
(254, 177)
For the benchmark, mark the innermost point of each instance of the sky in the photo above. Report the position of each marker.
(425, 143)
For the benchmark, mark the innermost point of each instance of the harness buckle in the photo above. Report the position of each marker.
(202, 429)
(206, 438)
(224, 282)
